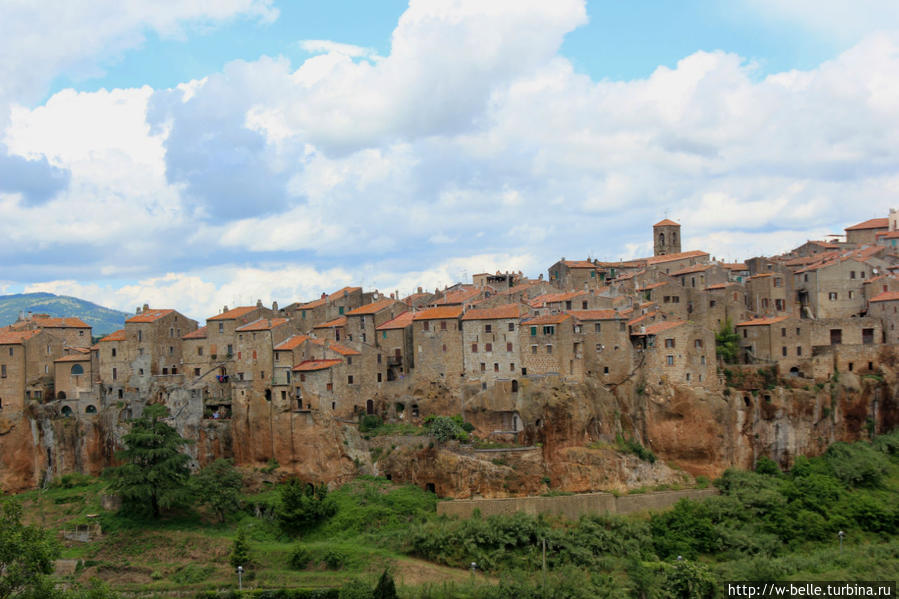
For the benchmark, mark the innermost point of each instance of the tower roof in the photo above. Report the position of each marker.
(666, 223)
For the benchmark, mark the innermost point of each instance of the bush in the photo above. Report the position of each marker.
(857, 465)
(299, 558)
(240, 550)
(355, 589)
(369, 422)
(334, 559)
(303, 506)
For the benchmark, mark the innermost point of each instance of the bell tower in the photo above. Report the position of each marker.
(666, 237)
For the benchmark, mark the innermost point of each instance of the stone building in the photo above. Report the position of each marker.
(723, 302)
(866, 232)
(666, 238)
(701, 275)
(306, 315)
(885, 307)
(576, 274)
(114, 361)
(832, 288)
(73, 331)
(395, 338)
(549, 346)
(669, 263)
(26, 367)
(490, 343)
(74, 378)
(253, 362)
(605, 342)
(769, 293)
(677, 352)
(335, 330)
(784, 339)
(153, 342)
(437, 342)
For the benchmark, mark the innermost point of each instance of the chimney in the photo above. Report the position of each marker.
(275, 306)
(419, 289)
(146, 307)
(137, 311)
(392, 296)
(259, 303)
(324, 295)
(224, 309)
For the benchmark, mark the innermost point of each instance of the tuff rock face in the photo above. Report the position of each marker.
(570, 436)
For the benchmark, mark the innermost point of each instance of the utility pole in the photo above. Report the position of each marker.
(544, 567)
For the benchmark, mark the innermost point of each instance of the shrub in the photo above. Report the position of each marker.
(303, 506)
(334, 559)
(299, 558)
(369, 422)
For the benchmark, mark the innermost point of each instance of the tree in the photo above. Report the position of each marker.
(218, 486)
(302, 506)
(240, 550)
(727, 342)
(445, 428)
(155, 471)
(385, 589)
(26, 554)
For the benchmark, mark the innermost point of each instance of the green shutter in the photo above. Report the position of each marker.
(533, 331)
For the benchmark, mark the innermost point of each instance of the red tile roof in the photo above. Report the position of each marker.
(372, 308)
(554, 298)
(343, 350)
(149, 315)
(440, 312)
(666, 223)
(652, 286)
(886, 296)
(337, 322)
(718, 286)
(116, 336)
(309, 365)
(673, 257)
(79, 357)
(659, 327)
(291, 342)
(262, 324)
(459, 296)
(233, 313)
(578, 264)
(762, 321)
(874, 223)
(200, 333)
(400, 322)
(691, 269)
(595, 314)
(547, 319)
(8, 337)
(504, 311)
(734, 265)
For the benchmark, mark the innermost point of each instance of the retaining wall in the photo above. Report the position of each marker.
(572, 506)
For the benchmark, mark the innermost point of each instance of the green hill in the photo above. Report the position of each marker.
(103, 320)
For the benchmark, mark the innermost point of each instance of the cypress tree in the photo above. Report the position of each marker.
(155, 474)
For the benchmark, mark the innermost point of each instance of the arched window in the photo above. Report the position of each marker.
(90, 410)
(514, 386)
(66, 411)
(661, 239)
(77, 369)
(61, 395)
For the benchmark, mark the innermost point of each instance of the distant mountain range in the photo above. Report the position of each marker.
(103, 320)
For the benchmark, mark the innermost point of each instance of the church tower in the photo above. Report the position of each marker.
(666, 237)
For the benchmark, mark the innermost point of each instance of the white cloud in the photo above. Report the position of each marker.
(329, 47)
(844, 19)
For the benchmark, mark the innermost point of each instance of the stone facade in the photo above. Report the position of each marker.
(490, 349)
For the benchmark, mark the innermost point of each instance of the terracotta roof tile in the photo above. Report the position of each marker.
(337, 322)
(200, 333)
(233, 313)
(8, 337)
(554, 298)
(262, 324)
(372, 308)
(666, 223)
(673, 257)
(116, 336)
(595, 314)
(440, 312)
(291, 342)
(457, 297)
(886, 296)
(874, 223)
(762, 321)
(734, 265)
(504, 311)
(547, 319)
(79, 357)
(691, 269)
(149, 315)
(652, 286)
(400, 322)
(343, 350)
(310, 365)
(578, 264)
(659, 327)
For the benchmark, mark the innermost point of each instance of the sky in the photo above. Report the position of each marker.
(196, 154)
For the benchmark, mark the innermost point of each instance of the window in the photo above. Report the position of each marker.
(140, 351)
(239, 376)
(488, 328)
(797, 331)
(171, 350)
(444, 348)
(851, 294)
(702, 362)
(115, 373)
(669, 360)
(783, 332)
(597, 327)
(512, 367)
(230, 349)
(697, 343)
(549, 348)
(222, 325)
(549, 330)
(605, 370)
(488, 347)
(495, 367)
(779, 305)
(426, 326)
(511, 326)
(379, 358)
(329, 387)
(379, 377)
(533, 331)
(3, 371)
(509, 347)
(851, 274)
(340, 310)
(533, 351)
(712, 303)
(140, 335)
(669, 342)
(778, 282)
(171, 331)
(783, 351)
(483, 367)
(77, 369)
(688, 377)
(474, 348)
(349, 379)
(196, 372)
(199, 351)
(832, 296)
(745, 333)
(599, 347)
(442, 325)
(239, 355)
(798, 350)
(349, 360)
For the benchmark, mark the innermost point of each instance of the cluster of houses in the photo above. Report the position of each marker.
(825, 304)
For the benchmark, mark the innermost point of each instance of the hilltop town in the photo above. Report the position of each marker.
(264, 384)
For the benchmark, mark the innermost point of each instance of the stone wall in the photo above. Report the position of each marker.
(572, 506)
